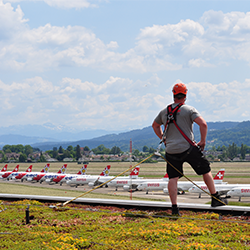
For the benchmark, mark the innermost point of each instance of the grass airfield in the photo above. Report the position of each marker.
(235, 172)
(78, 227)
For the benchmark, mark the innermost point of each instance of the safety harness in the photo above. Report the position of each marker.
(171, 118)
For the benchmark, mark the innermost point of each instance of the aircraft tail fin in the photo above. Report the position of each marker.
(4, 169)
(16, 168)
(135, 172)
(29, 169)
(165, 177)
(46, 168)
(219, 176)
(83, 170)
(63, 169)
(106, 171)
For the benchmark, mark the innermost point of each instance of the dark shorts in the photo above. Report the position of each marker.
(193, 156)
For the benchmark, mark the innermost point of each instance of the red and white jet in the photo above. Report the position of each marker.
(153, 184)
(127, 182)
(61, 178)
(8, 174)
(181, 185)
(186, 185)
(221, 188)
(4, 169)
(49, 176)
(21, 175)
(30, 176)
(90, 179)
(240, 191)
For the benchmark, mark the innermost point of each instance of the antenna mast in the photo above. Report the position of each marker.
(130, 144)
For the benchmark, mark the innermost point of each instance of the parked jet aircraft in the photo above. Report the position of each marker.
(123, 180)
(61, 178)
(182, 185)
(40, 177)
(221, 188)
(20, 175)
(8, 174)
(241, 191)
(4, 169)
(186, 185)
(86, 179)
(130, 183)
(32, 175)
(49, 176)
(152, 185)
(132, 179)
(102, 178)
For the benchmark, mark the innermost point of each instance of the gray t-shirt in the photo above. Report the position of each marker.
(175, 142)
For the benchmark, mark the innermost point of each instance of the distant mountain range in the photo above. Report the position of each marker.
(49, 132)
(46, 133)
(47, 136)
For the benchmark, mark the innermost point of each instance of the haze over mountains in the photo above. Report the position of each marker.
(47, 136)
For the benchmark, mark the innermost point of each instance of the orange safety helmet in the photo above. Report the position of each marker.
(179, 88)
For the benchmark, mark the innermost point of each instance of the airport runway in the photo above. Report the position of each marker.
(154, 195)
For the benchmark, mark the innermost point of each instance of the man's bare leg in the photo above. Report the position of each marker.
(172, 190)
(208, 179)
(216, 199)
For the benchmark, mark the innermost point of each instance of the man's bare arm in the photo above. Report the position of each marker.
(157, 129)
(203, 131)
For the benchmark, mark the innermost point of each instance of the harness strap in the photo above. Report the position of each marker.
(183, 134)
(172, 118)
(171, 114)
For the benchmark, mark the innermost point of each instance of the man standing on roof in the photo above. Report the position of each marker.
(180, 145)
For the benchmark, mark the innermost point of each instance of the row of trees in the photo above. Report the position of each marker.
(222, 152)
(69, 152)
(75, 152)
(101, 149)
(232, 151)
(27, 149)
(23, 151)
(59, 154)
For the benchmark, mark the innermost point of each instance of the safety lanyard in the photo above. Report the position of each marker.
(171, 117)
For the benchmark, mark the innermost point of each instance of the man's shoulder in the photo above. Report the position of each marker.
(188, 107)
(190, 110)
(173, 105)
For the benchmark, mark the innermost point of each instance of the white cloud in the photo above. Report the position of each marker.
(117, 102)
(220, 24)
(227, 35)
(168, 41)
(112, 45)
(76, 4)
(222, 101)
(50, 46)
(169, 35)
(197, 63)
(76, 103)
(11, 21)
(216, 39)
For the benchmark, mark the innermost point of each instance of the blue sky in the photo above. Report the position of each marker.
(111, 64)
